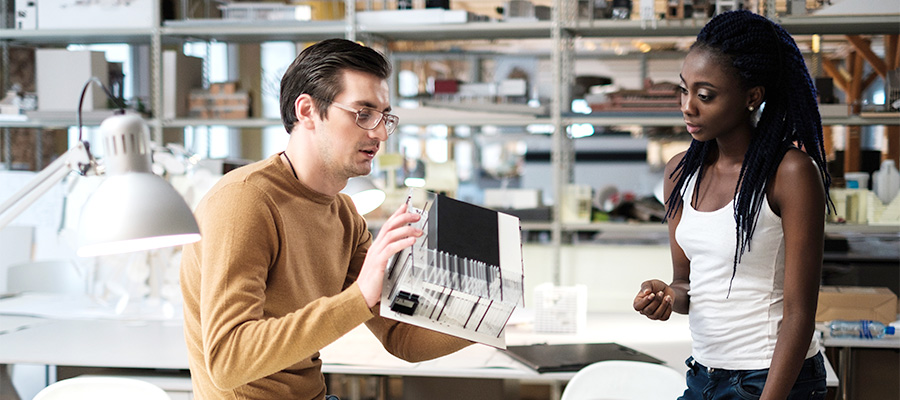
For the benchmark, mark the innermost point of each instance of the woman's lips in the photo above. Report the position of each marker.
(691, 128)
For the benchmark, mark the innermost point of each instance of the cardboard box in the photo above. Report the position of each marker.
(855, 303)
(78, 14)
(423, 16)
(26, 14)
(60, 75)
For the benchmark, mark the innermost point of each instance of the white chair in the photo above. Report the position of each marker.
(625, 380)
(102, 388)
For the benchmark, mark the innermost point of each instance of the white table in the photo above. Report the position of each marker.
(85, 337)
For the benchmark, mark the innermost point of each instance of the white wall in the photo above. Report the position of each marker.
(612, 273)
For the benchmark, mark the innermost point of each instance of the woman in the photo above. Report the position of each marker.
(746, 212)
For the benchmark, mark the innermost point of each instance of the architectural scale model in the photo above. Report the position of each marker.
(463, 277)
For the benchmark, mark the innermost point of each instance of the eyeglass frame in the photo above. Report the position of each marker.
(383, 118)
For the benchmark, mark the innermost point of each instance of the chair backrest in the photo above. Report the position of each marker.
(102, 388)
(60, 276)
(625, 380)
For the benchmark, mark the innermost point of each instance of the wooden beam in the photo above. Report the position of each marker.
(868, 81)
(852, 155)
(864, 47)
(828, 142)
(855, 65)
(831, 69)
(891, 51)
(892, 134)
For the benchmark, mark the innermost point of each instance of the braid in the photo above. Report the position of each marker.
(763, 54)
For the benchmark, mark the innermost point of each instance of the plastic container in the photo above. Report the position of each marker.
(864, 329)
(857, 180)
(886, 181)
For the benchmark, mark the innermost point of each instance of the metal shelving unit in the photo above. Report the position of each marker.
(431, 115)
(559, 33)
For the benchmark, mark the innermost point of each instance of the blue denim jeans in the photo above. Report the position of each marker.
(720, 384)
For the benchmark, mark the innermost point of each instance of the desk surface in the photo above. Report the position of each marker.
(37, 329)
(159, 344)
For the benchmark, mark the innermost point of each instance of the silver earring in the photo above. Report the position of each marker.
(751, 108)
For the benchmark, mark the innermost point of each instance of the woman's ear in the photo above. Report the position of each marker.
(755, 97)
(305, 111)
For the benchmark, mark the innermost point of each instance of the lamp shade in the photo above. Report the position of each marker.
(365, 195)
(133, 209)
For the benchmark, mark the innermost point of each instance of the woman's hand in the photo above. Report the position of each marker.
(655, 300)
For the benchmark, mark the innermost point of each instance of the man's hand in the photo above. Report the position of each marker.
(395, 235)
(655, 300)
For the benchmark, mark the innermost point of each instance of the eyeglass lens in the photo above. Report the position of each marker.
(368, 118)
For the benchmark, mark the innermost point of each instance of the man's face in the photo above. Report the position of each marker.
(346, 149)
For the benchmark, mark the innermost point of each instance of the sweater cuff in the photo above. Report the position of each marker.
(358, 303)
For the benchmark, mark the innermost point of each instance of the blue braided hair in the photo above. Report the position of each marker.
(763, 54)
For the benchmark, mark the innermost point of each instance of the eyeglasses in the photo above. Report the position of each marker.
(368, 118)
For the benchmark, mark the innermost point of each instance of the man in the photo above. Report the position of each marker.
(286, 265)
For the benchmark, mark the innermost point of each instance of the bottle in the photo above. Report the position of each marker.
(864, 329)
(886, 181)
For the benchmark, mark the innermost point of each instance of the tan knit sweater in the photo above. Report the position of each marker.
(272, 282)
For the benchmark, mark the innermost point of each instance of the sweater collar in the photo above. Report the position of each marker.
(285, 174)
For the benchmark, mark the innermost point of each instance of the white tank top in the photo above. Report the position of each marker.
(736, 331)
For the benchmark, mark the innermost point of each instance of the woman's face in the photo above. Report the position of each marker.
(712, 101)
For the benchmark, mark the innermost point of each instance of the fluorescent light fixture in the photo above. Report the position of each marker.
(365, 195)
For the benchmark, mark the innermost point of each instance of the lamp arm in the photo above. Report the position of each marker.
(77, 158)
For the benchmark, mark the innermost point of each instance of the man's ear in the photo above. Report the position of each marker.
(755, 96)
(305, 111)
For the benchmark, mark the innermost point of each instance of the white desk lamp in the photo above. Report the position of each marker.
(365, 195)
(132, 209)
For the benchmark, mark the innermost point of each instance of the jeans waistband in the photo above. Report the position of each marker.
(721, 372)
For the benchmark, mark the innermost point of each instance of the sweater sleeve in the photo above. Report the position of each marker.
(405, 341)
(240, 343)
(413, 343)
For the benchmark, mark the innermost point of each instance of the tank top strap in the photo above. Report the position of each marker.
(687, 194)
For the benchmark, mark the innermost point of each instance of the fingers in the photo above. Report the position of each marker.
(663, 307)
(654, 304)
(642, 299)
(395, 235)
(399, 218)
(670, 305)
(397, 227)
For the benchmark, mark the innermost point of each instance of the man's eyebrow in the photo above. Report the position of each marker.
(368, 104)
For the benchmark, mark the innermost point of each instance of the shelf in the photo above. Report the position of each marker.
(619, 118)
(864, 229)
(233, 123)
(467, 31)
(654, 227)
(795, 25)
(77, 36)
(453, 117)
(298, 31)
(604, 227)
(841, 24)
(228, 31)
(888, 119)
